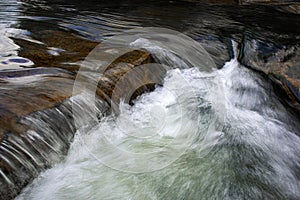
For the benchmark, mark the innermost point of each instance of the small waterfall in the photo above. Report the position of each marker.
(236, 141)
(43, 145)
(207, 130)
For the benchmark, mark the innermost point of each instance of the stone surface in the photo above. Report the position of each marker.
(119, 68)
(20, 96)
(64, 50)
(289, 8)
(36, 106)
(280, 63)
(24, 93)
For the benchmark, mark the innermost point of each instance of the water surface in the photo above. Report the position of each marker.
(244, 141)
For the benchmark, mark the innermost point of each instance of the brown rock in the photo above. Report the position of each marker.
(56, 49)
(35, 107)
(19, 100)
(281, 64)
(43, 94)
(135, 57)
(118, 69)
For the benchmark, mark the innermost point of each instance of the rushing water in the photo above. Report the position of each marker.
(226, 133)
(246, 152)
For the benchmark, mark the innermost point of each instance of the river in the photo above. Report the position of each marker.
(210, 131)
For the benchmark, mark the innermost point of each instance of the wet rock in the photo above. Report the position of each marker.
(279, 62)
(135, 57)
(36, 116)
(24, 93)
(289, 8)
(20, 96)
(281, 5)
(118, 69)
(31, 72)
(56, 49)
(218, 51)
(66, 41)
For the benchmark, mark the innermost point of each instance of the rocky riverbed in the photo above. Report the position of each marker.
(43, 46)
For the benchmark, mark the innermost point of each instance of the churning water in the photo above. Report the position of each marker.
(221, 134)
(215, 135)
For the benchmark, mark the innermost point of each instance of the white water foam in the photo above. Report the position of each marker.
(251, 153)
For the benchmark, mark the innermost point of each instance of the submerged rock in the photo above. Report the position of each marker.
(56, 49)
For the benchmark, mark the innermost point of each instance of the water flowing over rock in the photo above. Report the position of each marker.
(43, 44)
(36, 108)
(279, 62)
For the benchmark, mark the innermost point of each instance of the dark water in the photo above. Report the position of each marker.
(255, 152)
(36, 21)
(97, 19)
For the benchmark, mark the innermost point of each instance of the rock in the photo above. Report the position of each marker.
(20, 97)
(23, 153)
(64, 50)
(289, 8)
(118, 69)
(218, 51)
(281, 5)
(36, 114)
(279, 62)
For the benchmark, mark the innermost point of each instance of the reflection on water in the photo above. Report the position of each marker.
(9, 13)
(27, 20)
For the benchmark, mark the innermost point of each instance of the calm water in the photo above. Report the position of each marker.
(242, 141)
